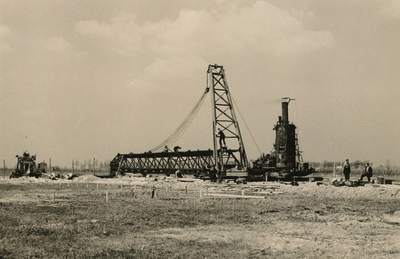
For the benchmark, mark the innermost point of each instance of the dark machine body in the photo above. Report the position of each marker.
(228, 161)
(26, 166)
(285, 160)
(285, 141)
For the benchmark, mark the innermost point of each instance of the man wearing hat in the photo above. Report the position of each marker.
(367, 172)
(346, 170)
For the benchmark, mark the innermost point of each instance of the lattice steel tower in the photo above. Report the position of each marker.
(224, 119)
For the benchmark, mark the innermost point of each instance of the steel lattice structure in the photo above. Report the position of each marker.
(224, 118)
(199, 161)
(162, 162)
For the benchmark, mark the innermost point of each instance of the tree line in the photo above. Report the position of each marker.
(356, 166)
(90, 165)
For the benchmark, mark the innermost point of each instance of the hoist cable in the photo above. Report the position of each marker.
(246, 125)
(183, 126)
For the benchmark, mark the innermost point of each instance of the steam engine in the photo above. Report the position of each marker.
(286, 145)
(285, 160)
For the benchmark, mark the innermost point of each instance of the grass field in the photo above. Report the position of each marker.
(91, 220)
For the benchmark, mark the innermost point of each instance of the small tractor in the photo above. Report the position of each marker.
(27, 167)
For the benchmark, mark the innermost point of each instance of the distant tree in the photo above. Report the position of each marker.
(102, 166)
(324, 166)
(312, 164)
(76, 164)
(357, 164)
(388, 167)
(96, 163)
(83, 165)
(396, 170)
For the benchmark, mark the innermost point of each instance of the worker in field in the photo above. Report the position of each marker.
(213, 174)
(221, 135)
(367, 173)
(346, 170)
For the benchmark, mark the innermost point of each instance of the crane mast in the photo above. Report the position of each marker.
(222, 158)
(224, 119)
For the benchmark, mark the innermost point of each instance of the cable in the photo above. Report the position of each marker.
(297, 118)
(246, 125)
(183, 126)
(298, 138)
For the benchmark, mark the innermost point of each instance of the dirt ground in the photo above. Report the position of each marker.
(312, 220)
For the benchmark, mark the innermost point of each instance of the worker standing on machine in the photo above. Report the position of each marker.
(221, 135)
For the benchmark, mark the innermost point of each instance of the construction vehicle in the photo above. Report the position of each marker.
(26, 166)
(224, 160)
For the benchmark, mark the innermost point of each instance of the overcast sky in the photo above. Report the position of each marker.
(90, 79)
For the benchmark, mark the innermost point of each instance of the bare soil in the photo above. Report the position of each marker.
(89, 217)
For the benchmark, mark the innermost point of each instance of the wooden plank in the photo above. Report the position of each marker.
(186, 180)
(390, 186)
(233, 196)
(265, 192)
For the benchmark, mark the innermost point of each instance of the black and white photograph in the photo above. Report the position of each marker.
(199, 129)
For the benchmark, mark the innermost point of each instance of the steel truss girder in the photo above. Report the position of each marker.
(200, 161)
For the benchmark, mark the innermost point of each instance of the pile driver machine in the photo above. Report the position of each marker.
(223, 160)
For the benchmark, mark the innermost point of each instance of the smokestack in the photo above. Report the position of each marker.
(285, 112)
